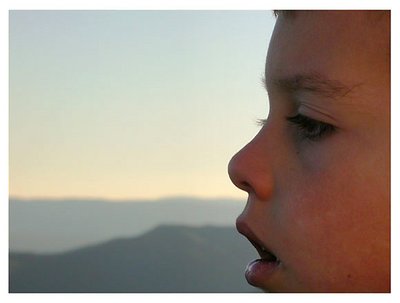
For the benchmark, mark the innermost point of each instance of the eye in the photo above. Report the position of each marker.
(311, 129)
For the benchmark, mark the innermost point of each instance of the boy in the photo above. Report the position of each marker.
(318, 172)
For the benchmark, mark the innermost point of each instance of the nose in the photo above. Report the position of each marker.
(251, 170)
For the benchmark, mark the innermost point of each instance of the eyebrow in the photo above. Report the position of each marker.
(314, 83)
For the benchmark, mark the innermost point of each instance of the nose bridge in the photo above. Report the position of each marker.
(251, 168)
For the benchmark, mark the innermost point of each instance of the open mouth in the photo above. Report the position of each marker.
(265, 254)
(259, 271)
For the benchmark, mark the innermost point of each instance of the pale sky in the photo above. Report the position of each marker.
(133, 104)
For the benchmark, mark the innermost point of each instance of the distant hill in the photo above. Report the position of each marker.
(165, 259)
(49, 226)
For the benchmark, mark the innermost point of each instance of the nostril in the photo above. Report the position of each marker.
(244, 186)
(251, 171)
(238, 179)
(238, 170)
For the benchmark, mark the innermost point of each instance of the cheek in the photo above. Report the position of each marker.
(335, 221)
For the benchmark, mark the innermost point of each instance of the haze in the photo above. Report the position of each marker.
(133, 104)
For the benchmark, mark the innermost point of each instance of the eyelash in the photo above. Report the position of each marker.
(311, 129)
(307, 128)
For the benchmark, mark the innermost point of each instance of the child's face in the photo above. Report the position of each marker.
(318, 190)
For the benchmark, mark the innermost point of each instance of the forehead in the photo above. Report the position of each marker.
(344, 45)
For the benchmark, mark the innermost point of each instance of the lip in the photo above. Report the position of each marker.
(260, 270)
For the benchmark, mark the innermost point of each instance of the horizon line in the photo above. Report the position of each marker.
(121, 200)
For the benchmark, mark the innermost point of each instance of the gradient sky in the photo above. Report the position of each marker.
(133, 104)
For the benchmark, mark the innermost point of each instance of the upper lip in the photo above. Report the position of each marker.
(264, 252)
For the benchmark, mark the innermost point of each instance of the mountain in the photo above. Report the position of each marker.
(165, 259)
(50, 226)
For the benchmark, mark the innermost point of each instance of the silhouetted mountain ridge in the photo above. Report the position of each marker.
(165, 259)
(44, 226)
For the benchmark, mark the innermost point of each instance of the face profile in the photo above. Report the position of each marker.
(317, 174)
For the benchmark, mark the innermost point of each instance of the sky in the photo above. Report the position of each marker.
(132, 104)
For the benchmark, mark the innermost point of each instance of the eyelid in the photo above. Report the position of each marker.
(307, 127)
(310, 128)
(300, 119)
(310, 110)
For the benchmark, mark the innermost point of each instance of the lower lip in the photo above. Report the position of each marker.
(259, 271)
